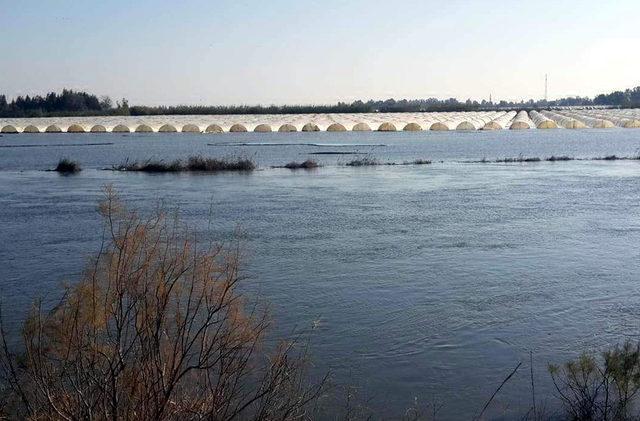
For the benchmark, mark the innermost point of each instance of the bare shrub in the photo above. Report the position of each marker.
(156, 329)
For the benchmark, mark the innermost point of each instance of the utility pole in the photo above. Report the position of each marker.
(546, 87)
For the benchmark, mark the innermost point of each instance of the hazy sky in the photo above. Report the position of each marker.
(302, 51)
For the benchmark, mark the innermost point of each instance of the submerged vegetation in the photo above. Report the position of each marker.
(306, 165)
(369, 162)
(554, 158)
(66, 166)
(193, 164)
(618, 158)
(518, 159)
(212, 165)
(417, 162)
(199, 163)
(363, 162)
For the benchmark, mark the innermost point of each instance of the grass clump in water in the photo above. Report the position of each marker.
(363, 162)
(306, 165)
(484, 160)
(199, 163)
(193, 164)
(554, 158)
(617, 158)
(610, 158)
(67, 166)
(418, 162)
(518, 159)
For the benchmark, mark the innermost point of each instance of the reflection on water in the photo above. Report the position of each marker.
(428, 282)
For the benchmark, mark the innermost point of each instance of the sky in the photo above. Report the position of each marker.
(317, 52)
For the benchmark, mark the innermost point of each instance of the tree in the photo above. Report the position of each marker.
(122, 107)
(105, 103)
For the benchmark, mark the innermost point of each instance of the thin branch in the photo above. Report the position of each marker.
(486, 405)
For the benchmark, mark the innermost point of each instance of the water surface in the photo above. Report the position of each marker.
(428, 282)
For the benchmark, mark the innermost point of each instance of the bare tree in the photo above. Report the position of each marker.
(156, 329)
(106, 103)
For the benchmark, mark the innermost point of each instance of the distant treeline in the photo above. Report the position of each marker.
(626, 99)
(67, 103)
(73, 103)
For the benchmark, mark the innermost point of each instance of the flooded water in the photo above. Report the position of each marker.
(427, 282)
